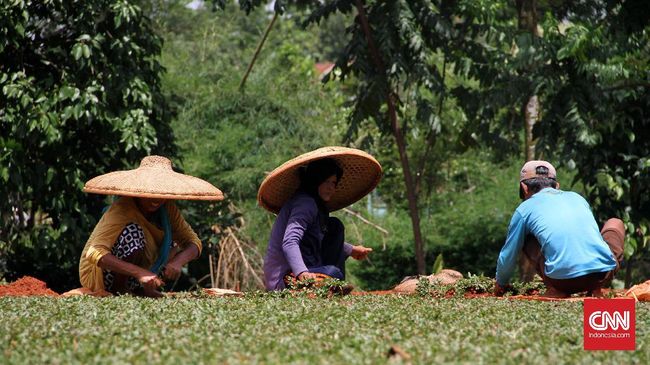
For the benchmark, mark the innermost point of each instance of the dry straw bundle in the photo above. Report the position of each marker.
(238, 265)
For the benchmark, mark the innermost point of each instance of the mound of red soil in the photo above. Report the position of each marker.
(26, 286)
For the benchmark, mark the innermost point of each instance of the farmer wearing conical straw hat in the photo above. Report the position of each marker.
(305, 241)
(142, 239)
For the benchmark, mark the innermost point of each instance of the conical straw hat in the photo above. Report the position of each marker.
(153, 179)
(361, 174)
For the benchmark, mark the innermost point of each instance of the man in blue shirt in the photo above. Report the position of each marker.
(558, 234)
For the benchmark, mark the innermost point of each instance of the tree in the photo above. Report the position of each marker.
(591, 74)
(79, 96)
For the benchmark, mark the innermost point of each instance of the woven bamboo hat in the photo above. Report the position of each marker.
(153, 179)
(361, 174)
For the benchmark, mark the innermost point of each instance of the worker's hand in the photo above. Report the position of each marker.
(499, 290)
(150, 281)
(360, 252)
(306, 275)
(171, 271)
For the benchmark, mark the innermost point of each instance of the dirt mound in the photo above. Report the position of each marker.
(640, 292)
(26, 286)
(444, 277)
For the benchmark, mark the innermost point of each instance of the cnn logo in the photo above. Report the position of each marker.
(609, 324)
(602, 321)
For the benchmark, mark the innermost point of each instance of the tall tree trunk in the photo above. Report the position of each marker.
(527, 18)
(531, 116)
(400, 140)
(410, 185)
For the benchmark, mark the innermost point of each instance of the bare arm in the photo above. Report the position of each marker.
(148, 279)
(173, 268)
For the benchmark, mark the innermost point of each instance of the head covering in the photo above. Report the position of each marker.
(361, 174)
(153, 179)
(529, 170)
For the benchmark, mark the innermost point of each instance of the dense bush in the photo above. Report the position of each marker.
(231, 136)
(469, 223)
(79, 96)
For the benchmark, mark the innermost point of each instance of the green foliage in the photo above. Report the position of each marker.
(598, 115)
(476, 284)
(466, 222)
(438, 265)
(392, 256)
(79, 96)
(231, 137)
(472, 284)
(326, 288)
(272, 329)
(536, 286)
(423, 287)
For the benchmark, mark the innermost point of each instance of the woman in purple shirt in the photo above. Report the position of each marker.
(305, 240)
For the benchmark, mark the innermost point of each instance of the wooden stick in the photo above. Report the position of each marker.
(211, 270)
(199, 281)
(364, 220)
(220, 262)
(257, 51)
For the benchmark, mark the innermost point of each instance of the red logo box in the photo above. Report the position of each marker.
(609, 324)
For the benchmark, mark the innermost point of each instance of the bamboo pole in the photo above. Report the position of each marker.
(257, 52)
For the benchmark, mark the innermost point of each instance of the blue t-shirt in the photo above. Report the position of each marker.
(567, 232)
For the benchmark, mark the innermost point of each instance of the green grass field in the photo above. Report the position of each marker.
(272, 329)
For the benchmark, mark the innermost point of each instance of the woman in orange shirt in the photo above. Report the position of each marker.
(142, 239)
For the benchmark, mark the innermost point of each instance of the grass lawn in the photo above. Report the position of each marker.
(271, 329)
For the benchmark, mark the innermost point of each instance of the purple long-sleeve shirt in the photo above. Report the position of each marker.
(296, 223)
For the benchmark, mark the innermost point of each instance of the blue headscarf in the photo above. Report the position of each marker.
(163, 255)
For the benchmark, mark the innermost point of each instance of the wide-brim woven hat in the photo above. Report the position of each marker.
(156, 179)
(361, 174)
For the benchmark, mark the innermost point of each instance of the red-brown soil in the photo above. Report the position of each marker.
(26, 286)
(29, 286)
